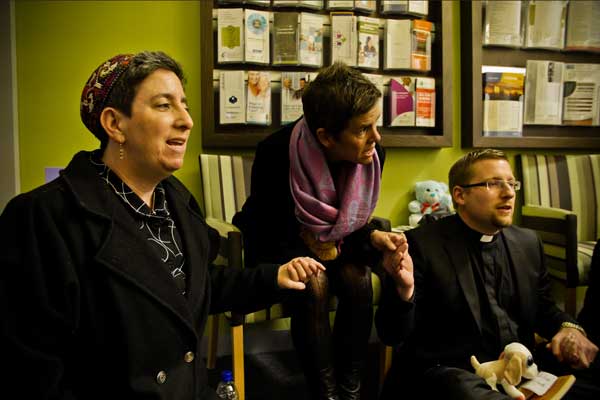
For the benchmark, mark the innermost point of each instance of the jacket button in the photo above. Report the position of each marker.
(188, 357)
(161, 377)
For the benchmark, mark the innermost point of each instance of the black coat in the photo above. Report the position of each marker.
(86, 310)
(443, 325)
(268, 220)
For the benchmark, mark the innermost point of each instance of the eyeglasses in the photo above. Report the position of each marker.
(496, 184)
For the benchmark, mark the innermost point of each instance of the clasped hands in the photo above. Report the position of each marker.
(569, 345)
(295, 273)
(396, 260)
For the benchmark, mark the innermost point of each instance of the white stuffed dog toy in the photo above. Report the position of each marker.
(515, 362)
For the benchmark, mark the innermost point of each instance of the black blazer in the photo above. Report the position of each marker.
(267, 220)
(443, 325)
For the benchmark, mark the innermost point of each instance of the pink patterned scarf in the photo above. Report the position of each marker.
(328, 213)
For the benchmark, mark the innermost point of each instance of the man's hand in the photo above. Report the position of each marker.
(571, 346)
(396, 260)
(295, 273)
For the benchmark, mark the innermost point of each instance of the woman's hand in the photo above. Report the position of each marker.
(295, 273)
(396, 260)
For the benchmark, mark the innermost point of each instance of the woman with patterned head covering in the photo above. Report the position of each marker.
(108, 277)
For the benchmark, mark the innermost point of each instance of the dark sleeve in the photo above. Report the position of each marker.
(588, 316)
(244, 290)
(39, 300)
(395, 318)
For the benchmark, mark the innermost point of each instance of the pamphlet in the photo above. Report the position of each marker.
(285, 38)
(378, 81)
(581, 94)
(232, 97)
(292, 86)
(546, 21)
(340, 4)
(258, 99)
(503, 101)
(425, 99)
(343, 39)
(311, 39)
(368, 42)
(402, 101)
(583, 29)
(544, 92)
(502, 23)
(421, 45)
(230, 35)
(257, 36)
(397, 43)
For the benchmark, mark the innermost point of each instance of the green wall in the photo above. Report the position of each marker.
(59, 43)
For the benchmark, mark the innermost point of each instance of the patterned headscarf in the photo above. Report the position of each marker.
(97, 90)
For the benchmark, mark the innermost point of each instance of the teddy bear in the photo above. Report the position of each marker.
(431, 198)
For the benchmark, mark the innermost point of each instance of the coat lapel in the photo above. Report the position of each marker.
(137, 264)
(522, 279)
(456, 249)
(196, 251)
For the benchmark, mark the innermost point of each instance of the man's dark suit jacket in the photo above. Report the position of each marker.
(443, 324)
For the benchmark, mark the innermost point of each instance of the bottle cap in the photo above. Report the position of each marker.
(226, 375)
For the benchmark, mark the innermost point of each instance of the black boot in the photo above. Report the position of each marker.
(326, 385)
(349, 382)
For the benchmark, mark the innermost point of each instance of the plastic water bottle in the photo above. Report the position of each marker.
(226, 388)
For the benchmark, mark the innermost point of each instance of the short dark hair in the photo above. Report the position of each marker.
(143, 64)
(337, 94)
(461, 172)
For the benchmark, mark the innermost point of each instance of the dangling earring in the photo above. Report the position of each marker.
(121, 151)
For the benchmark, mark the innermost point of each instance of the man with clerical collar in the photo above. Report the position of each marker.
(480, 284)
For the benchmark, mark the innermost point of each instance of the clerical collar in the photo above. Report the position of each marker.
(487, 238)
(476, 236)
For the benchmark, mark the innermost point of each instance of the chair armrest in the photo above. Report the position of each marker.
(230, 255)
(557, 228)
(223, 227)
(230, 245)
(531, 210)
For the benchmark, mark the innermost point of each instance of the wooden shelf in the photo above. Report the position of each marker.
(474, 55)
(215, 135)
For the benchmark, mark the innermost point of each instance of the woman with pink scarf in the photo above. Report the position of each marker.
(315, 184)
